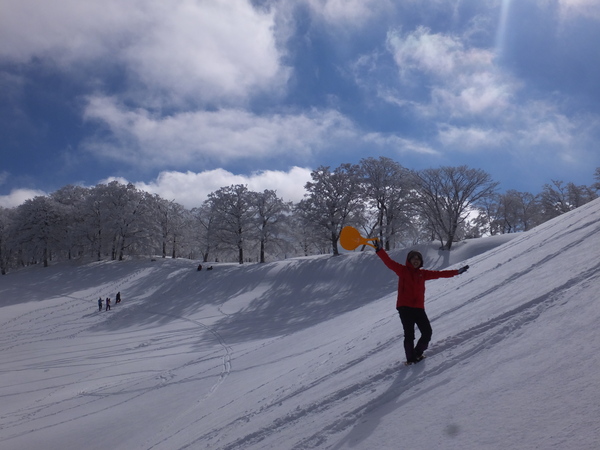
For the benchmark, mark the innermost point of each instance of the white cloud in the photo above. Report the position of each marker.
(399, 144)
(216, 51)
(440, 55)
(220, 136)
(67, 31)
(534, 132)
(209, 51)
(476, 93)
(464, 81)
(191, 189)
(544, 130)
(575, 8)
(18, 197)
(469, 139)
(421, 50)
(480, 108)
(348, 12)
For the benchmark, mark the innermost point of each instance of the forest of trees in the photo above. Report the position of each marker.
(378, 196)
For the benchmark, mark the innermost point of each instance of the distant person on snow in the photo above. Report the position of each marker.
(107, 304)
(118, 299)
(100, 304)
(411, 298)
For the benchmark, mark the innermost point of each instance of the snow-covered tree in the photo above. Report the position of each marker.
(37, 223)
(234, 216)
(306, 236)
(445, 196)
(6, 219)
(130, 215)
(171, 220)
(387, 187)
(70, 200)
(204, 224)
(334, 199)
(96, 212)
(271, 214)
(558, 198)
(596, 185)
(118, 219)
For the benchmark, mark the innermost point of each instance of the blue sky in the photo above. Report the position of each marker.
(183, 97)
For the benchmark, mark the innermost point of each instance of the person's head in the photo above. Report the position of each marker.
(414, 259)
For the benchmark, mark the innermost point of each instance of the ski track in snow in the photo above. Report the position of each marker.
(42, 327)
(594, 226)
(42, 315)
(167, 432)
(443, 355)
(316, 420)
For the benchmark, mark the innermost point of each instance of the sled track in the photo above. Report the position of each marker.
(44, 318)
(524, 273)
(78, 315)
(226, 348)
(443, 356)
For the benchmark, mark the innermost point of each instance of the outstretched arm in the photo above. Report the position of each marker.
(389, 262)
(435, 274)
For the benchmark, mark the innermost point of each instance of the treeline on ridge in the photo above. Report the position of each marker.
(379, 196)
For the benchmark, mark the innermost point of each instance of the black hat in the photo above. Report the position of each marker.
(412, 254)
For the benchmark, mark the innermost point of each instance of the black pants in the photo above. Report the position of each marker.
(411, 317)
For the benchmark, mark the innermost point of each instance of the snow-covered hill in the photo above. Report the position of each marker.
(307, 353)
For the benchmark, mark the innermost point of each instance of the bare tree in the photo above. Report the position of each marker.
(271, 214)
(307, 237)
(529, 209)
(446, 195)
(129, 218)
(334, 200)
(233, 215)
(96, 220)
(36, 221)
(516, 211)
(596, 185)
(171, 219)
(70, 201)
(204, 219)
(558, 198)
(387, 187)
(6, 218)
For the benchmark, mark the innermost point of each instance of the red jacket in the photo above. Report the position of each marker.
(411, 281)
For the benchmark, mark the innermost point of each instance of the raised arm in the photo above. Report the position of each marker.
(389, 262)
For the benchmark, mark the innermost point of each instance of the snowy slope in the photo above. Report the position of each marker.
(306, 353)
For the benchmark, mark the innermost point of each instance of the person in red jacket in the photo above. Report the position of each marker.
(411, 298)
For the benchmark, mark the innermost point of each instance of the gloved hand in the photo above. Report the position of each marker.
(463, 269)
(377, 245)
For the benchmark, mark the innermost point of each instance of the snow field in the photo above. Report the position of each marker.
(307, 353)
